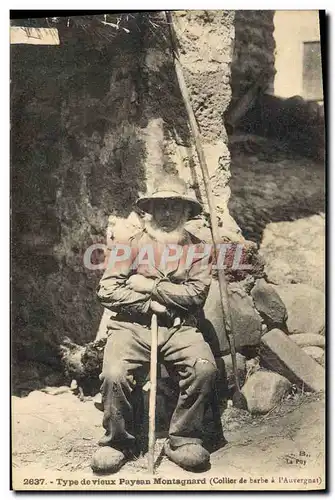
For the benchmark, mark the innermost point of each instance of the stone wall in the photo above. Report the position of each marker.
(95, 124)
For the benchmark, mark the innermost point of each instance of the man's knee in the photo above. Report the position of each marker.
(205, 370)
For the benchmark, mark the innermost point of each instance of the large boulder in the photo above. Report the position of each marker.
(308, 339)
(263, 390)
(280, 354)
(305, 308)
(269, 304)
(294, 251)
(316, 353)
(246, 322)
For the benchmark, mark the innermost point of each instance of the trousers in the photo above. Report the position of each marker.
(184, 353)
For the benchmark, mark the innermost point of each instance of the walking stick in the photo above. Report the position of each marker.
(152, 395)
(238, 398)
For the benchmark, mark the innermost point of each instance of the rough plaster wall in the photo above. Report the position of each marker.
(254, 49)
(120, 125)
(206, 51)
(205, 41)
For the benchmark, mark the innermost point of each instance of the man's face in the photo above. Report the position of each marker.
(169, 214)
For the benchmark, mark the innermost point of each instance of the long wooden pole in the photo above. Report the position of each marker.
(212, 210)
(152, 394)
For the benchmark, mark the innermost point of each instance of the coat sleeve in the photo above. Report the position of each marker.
(113, 292)
(192, 293)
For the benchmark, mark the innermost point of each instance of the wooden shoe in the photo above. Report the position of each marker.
(107, 460)
(192, 456)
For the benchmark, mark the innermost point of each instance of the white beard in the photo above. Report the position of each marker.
(176, 236)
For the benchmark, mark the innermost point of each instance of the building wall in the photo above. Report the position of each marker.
(254, 47)
(292, 29)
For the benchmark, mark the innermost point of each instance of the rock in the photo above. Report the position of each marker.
(278, 271)
(308, 339)
(55, 391)
(247, 323)
(305, 308)
(315, 352)
(280, 354)
(269, 304)
(294, 251)
(38, 396)
(263, 390)
(228, 369)
(323, 360)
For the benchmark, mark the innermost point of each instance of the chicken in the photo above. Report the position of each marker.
(83, 364)
(252, 366)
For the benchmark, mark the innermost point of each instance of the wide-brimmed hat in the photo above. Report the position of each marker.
(170, 189)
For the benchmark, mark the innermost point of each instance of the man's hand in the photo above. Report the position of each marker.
(140, 283)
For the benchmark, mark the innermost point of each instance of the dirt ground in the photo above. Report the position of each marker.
(59, 433)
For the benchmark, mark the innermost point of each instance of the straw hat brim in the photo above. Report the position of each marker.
(144, 203)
